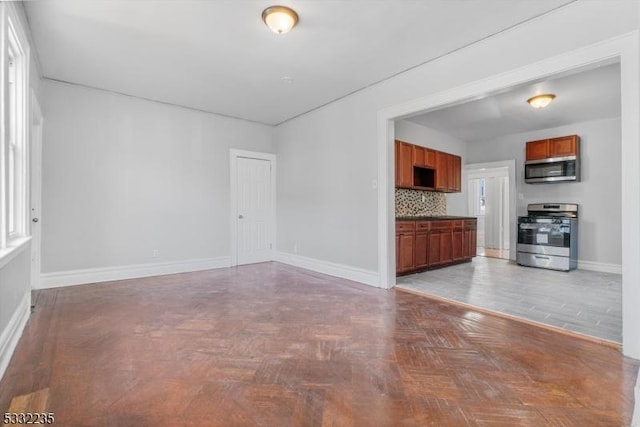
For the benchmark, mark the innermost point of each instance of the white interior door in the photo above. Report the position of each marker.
(254, 210)
(493, 213)
(35, 190)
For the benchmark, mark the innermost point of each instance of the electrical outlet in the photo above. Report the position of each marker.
(155, 253)
(424, 198)
(295, 248)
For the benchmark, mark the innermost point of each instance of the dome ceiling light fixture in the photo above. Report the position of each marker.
(280, 19)
(541, 101)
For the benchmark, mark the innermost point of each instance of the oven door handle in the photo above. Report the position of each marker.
(541, 257)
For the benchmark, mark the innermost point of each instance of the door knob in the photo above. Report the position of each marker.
(35, 220)
(241, 216)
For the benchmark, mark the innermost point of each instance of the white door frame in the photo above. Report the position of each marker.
(624, 49)
(35, 188)
(234, 154)
(511, 166)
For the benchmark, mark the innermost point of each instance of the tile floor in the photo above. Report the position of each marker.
(580, 301)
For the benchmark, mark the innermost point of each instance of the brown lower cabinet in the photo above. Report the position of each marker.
(405, 246)
(427, 244)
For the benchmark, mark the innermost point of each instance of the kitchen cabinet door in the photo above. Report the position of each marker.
(563, 146)
(537, 150)
(473, 243)
(446, 246)
(442, 171)
(457, 174)
(469, 238)
(407, 249)
(424, 157)
(405, 246)
(404, 164)
(457, 242)
(451, 170)
(434, 248)
(419, 154)
(421, 258)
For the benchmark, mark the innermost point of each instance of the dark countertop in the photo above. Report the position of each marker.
(432, 218)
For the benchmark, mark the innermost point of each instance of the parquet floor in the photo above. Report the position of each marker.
(272, 345)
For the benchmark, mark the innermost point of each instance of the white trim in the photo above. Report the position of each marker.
(234, 154)
(35, 188)
(14, 249)
(342, 271)
(601, 267)
(12, 333)
(108, 274)
(623, 48)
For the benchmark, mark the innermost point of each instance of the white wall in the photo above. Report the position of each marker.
(421, 135)
(124, 176)
(598, 193)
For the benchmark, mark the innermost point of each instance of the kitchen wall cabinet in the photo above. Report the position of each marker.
(448, 172)
(538, 149)
(425, 169)
(404, 164)
(553, 147)
(424, 157)
(434, 243)
(563, 146)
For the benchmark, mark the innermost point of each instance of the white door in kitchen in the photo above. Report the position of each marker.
(253, 201)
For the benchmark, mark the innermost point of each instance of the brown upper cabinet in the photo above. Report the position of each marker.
(423, 168)
(404, 164)
(554, 147)
(563, 146)
(424, 157)
(448, 172)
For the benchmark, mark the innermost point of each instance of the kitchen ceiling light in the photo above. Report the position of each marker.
(280, 19)
(541, 101)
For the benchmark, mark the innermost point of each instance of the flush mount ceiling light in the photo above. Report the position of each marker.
(280, 19)
(541, 101)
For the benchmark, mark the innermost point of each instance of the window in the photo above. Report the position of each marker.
(13, 140)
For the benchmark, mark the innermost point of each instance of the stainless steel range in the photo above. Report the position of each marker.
(548, 236)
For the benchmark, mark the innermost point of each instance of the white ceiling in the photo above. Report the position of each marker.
(581, 96)
(218, 56)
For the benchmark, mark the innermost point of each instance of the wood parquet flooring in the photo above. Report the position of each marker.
(273, 345)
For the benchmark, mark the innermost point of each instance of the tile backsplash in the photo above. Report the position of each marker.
(420, 203)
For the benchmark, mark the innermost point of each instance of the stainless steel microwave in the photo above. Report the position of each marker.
(553, 169)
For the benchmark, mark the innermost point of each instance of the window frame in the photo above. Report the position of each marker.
(14, 132)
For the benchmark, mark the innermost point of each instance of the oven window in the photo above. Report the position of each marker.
(546, 234)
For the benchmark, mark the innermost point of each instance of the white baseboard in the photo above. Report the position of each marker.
(367, 277)
(107, 274)
(601, 267)
(11, 334)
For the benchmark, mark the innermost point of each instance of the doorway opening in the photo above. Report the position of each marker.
(488, 201)
(621, 50)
